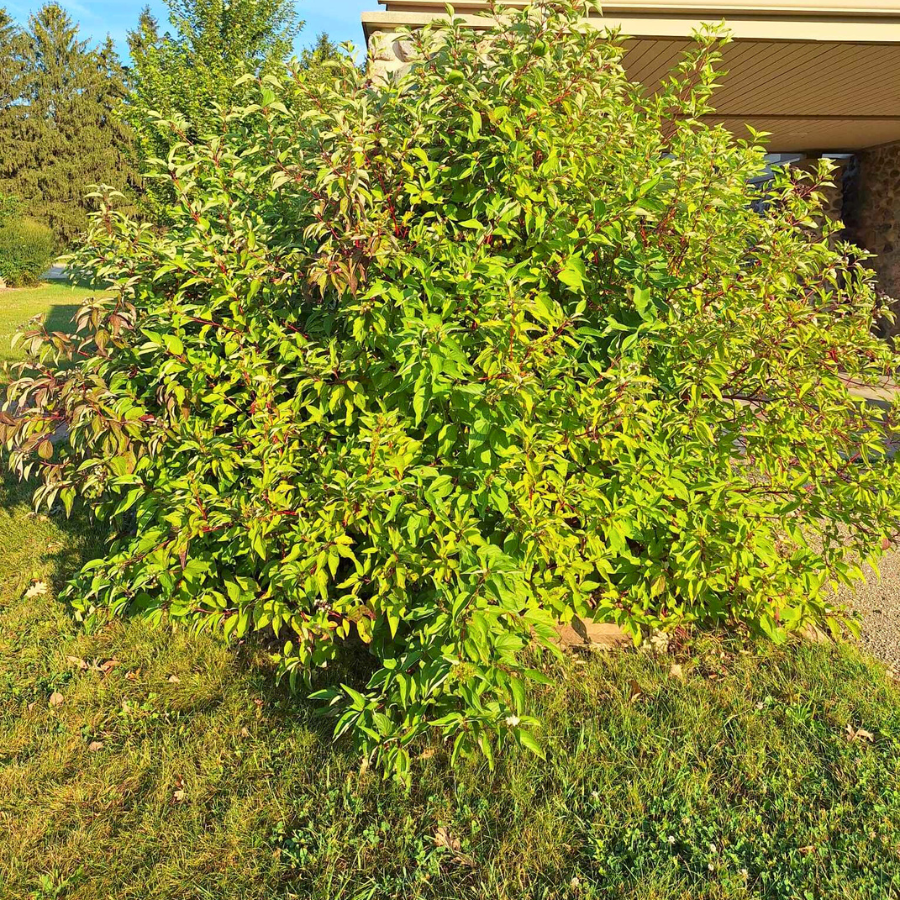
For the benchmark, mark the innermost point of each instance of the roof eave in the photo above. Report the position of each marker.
(796, 28)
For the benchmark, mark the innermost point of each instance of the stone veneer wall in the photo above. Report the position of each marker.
(834, 196)
(872, 215)
(389, 52)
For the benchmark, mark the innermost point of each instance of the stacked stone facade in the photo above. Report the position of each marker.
(872, 214)
(834, 196)
(389, 53)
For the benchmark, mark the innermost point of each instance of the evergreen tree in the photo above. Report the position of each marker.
(62, 135)
(11, 69)
(321, 52)
(188, 74)
(10, 61)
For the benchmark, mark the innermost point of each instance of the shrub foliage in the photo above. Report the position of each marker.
(26, 250)
(441, 363)
(181, 80)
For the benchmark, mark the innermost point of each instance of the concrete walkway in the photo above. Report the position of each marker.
(56, 271)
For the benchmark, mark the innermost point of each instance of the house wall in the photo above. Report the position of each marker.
(388, 53)
(872, 215)
(834, 196)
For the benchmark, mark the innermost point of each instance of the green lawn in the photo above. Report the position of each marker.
(57, 300)
(149, 763)
(146, 763)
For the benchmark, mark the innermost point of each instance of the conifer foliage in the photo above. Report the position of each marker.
(58, 128)
(437, 365)
(184, 80)
(11, 66)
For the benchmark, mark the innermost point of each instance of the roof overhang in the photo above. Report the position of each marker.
(822, 77)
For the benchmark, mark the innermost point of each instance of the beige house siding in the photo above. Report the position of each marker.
(818, 77)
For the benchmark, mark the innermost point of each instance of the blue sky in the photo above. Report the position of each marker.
(340, 18)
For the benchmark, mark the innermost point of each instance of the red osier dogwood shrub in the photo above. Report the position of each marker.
(443, 363)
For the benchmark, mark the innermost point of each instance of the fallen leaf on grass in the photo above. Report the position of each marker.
(675, 671)
(174, 679)
(108, 666)
(94, 746)
(444, 837)
(38, 589)
(859, 734)
(56, 698)
(76, 661)
(132, 676)
(178, 796)
(636, 692)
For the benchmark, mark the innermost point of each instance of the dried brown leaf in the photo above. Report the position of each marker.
(859, 734)
(444, 837)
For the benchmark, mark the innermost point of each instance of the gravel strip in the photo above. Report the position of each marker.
(878, 603)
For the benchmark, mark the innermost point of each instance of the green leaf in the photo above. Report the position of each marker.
(573, 274)
(358, 700)
(527, 740)
(419, 404)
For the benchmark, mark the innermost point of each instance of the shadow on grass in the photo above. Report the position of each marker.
(79, 540)
(74, 280)
(61, 317)
(53, 548)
